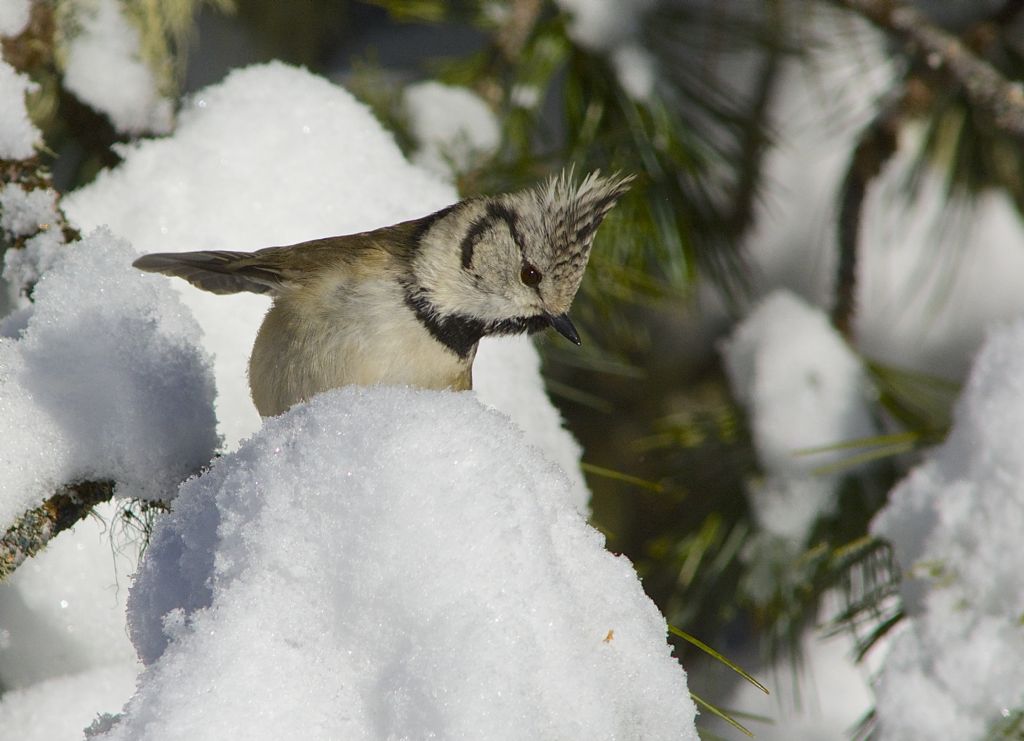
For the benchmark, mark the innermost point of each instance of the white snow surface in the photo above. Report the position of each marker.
(803, 388)
(506, 376)
(105, 381)
(33, 214)
(393, 563)
(62, 612)
(29, 712)
(454, 127)
(18, 135)
(104, 70)
(14, 15)
(956, 667)
(64, 652)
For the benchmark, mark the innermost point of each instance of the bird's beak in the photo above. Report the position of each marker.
(564, 325)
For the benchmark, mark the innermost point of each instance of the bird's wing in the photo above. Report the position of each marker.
(216, 271)
(272, 269)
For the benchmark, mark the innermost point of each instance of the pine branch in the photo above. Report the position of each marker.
(37, 527)
(983, 84)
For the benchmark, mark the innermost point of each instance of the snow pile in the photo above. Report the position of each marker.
(612, 27)
(517, 624)
(455, 129)
(61, 612)
(104, 70)
(14, 16)
(18, 134)
(803, 388)
(104, 381)
(956, 666)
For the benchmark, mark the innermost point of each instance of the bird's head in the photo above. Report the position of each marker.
(514, 262)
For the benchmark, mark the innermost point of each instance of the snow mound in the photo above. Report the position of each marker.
(956, 667)
(105, 381)
(311, 585)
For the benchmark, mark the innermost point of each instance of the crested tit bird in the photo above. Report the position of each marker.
(407, 304)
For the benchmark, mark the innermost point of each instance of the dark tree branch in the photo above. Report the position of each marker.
(982, 83)
(37, 527)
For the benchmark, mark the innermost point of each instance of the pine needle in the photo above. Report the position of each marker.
(716, 655)
(609, 473)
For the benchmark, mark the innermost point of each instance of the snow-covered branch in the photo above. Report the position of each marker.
(33, 530)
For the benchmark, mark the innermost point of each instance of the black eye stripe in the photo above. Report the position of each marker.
(500, 211)
(475, 233)
(495, 212)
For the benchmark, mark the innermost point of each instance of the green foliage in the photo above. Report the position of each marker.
(1010, 729)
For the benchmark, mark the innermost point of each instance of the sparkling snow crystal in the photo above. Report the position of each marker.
(393, 563)
(956, 666)
(104, 382)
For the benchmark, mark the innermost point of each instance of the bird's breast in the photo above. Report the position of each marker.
(362, 334)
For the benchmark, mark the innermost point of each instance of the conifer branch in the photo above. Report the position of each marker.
(982, 83)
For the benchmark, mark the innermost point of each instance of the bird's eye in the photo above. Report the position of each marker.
(529, 275)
